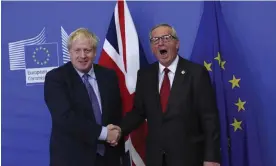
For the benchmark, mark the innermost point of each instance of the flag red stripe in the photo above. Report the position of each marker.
(121, 13)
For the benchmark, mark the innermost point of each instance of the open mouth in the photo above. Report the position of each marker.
(163, 52)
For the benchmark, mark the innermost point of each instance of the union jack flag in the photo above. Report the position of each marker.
(123, 53)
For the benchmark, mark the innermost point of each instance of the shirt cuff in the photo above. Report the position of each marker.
(103, 134)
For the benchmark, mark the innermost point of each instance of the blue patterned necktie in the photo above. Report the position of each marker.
(95, 107)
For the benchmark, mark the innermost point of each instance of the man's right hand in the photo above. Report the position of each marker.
(113, 134)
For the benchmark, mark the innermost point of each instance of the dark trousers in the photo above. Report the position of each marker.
(164, 161)
(100, 160)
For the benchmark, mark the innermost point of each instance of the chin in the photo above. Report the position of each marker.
(86, 70)
(82, 69)
(164, 63)
(167, 63)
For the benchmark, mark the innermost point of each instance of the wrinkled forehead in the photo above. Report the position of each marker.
(161, 31)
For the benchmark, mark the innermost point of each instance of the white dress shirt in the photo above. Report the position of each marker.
(171, 74)
(93, 82)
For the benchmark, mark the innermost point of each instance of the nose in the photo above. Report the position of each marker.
(160, 42)
(82, 54)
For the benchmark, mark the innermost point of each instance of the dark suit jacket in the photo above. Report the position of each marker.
(188, 132)
(74, 130)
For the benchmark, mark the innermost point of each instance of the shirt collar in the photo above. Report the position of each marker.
(91, 73)
(172, 66)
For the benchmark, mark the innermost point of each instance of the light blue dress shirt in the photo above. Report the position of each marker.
(93, 82)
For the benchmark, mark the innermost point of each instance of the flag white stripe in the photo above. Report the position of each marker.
(132, 51)
(110, 50)
(118, 31)
(134, 155)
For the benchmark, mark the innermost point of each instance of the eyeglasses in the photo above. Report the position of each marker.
(165, 39)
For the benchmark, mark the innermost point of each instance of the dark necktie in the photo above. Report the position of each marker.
(165, 90)
(95, 107)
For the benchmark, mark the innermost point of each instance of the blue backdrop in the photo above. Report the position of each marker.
(26, 122)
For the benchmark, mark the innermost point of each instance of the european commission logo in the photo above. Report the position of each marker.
(37, 57)
(40, 59)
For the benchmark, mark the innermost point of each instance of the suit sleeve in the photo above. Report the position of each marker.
(134, 118)
(208, 112)
(64, 117)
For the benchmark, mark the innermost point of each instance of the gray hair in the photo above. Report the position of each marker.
(164, 25)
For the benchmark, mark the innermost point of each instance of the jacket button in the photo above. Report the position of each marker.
(163, 151)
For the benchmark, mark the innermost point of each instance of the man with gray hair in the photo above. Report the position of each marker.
(83, 98)
(178, 101)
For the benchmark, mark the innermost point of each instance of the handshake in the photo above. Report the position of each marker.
(113, 134)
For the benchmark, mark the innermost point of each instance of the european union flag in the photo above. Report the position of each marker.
(42, 55)
(215, 50)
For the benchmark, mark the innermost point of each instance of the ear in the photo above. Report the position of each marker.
(177, 44)
(94, 53)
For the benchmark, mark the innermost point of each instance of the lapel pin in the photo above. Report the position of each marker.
(182, 72)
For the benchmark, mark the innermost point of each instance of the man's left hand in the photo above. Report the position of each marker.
(208, 163)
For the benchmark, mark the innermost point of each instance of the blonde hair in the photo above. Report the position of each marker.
(83, 32)
(164, 25)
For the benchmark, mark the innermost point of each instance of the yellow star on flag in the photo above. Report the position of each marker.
(240, 105)
(218, 58)
(235, 82)
(208, 66)
(222, 64)
(236, 124)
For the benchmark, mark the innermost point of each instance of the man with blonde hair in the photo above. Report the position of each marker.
(83, 98)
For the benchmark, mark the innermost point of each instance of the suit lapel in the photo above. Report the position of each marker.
(101, 81)
(154, 87)
(180, 82)
(80, 90)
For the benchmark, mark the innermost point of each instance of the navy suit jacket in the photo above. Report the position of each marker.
(74, 135)
(188, 132)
